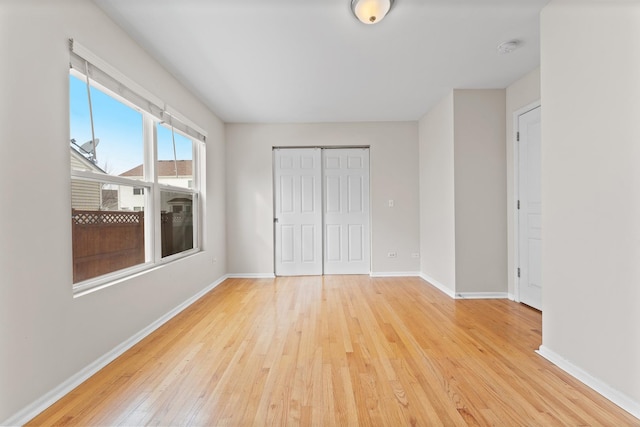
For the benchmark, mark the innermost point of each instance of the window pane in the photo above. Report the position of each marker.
(118, 132)
(106, 238)
(176, 217)
(175, 161)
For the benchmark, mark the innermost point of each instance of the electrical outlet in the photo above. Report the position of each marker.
(391, 203)
(393, 254)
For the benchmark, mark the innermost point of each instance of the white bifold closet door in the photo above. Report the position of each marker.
(321, 211)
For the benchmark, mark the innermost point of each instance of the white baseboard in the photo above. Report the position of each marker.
(463, 295)
(39, 405)
(251, 276)
(433, 282)
(482, 295)
(620, 399)
(395, 274)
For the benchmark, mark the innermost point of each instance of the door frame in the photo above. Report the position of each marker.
(516, 193)
(273, 198)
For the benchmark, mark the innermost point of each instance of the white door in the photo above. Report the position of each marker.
(346, 210)
(530, 209)
(298, 211)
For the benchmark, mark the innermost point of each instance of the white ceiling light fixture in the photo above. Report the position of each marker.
(371, 11)
(508, 47)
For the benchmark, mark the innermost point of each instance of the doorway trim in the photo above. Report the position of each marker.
(516, 193)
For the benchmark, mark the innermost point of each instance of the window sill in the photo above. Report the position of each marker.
(92, 285)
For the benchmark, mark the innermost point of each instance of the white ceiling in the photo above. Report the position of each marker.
(312, 61)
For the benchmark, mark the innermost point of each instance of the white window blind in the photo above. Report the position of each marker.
(86, 63)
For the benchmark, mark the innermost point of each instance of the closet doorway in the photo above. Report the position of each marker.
(321, 211)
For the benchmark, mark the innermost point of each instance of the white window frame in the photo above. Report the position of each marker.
(152, 188)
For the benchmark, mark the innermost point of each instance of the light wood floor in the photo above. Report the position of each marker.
(337, 350)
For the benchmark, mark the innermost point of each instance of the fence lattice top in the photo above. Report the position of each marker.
(106, 217)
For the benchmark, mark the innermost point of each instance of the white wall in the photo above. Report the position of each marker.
(46, 335)
(480, 184)
(591, 188)
(463, 183)
(437, 204)
(519, 94)
(394, 175)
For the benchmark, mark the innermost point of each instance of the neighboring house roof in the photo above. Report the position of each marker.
(76, 154)
(165, 168)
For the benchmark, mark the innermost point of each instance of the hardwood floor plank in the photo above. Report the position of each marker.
(337, 350)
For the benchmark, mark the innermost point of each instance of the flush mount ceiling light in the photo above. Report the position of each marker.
(508, 47)
(371, 11)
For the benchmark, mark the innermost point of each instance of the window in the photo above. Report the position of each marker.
(175, 158)
(135, 186)
(118, 129)
(177, 222)
(106, 240)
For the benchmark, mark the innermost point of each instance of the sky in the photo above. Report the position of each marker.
(119, 129)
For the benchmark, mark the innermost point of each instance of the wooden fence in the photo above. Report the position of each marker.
(177, 232)
(105, 241)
